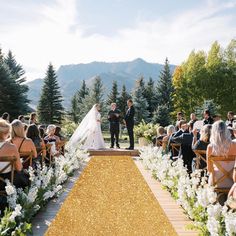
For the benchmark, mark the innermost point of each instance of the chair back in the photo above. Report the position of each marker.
(175, 147)
(27, 159)
(61, 146)
(10, 162)
(227, 173)
(200, 156)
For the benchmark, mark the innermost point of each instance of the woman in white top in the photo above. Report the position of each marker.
(88, 135)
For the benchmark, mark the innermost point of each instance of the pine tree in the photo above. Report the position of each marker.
(50, 107)
(113, 95)
(83, 92)
(11, 98)
(140, 103)
(95, 95)
(149, 94)
(164, 87)
(74, 112)
(122, 101)
(17, 73)
(161, 116)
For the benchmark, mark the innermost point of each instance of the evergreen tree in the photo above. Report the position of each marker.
(122, 101)
(149, 94)
(140, 102)
(161, 116)
(113, 95)
(165, 87)
(11, 98)
(74, 112)
(17, 73)
(95, 95)
(50, 109)
(83, 92)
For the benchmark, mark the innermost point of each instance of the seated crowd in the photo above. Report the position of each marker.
(25, 145)
(208, 144)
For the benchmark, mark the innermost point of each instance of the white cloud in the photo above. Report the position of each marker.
(58, 37)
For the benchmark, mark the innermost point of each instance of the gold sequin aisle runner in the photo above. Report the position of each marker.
(111, 198)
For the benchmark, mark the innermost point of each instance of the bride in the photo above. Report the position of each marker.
(89, 133)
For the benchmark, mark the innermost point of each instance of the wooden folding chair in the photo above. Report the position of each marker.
(60, 146)
(175, 147)
(200, 156)
(48, 157)
(27, 159)
(10, 162)
(226, 174)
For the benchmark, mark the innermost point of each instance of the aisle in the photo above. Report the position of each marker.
(111, 198)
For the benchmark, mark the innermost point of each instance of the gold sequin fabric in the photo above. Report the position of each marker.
(111, 197)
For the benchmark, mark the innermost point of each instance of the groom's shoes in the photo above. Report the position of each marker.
(111, 146)
(130, 148)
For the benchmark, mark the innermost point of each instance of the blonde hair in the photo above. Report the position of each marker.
(17, 129)
(170, 129)
(220, 139)
(4, 128)
(205, 133)
(50, 128)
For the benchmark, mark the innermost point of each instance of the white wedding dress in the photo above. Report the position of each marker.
(88, 135)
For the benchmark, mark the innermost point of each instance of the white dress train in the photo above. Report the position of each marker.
(88, 134)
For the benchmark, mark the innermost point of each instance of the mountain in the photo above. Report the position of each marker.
(71, 76)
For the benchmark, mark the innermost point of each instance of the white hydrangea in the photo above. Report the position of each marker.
(16, 212)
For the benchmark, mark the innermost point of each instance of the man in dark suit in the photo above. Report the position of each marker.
(114, 118)
(129, 122)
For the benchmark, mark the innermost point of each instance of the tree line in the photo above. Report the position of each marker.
(204, 80)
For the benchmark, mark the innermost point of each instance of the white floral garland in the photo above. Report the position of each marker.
(193, 193)
(46, 182)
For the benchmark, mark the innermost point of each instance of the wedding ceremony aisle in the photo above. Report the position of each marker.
(111, 197)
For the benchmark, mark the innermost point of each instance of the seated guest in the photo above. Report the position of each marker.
(180, 117)
(33, 118)
(203, 142)
(230, 119)
(6, 117)
(10, 150)
(21, 118)
(33, 134)
(19, 138)
(221, 144)
(230, 129)
(216, 117)
(183, 128)
(52, 138)
(186, 139)
(166, 138)
(232, 192)
(42, 131)
(157, 141)
(58, 133)
(207, 118)
(193, 118)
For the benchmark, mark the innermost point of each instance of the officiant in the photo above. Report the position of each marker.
(114, 119)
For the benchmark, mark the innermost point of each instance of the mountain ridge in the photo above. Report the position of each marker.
(71, 76)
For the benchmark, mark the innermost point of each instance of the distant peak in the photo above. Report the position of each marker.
(139, 60)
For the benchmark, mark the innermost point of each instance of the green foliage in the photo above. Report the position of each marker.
(140, 102)
(68, 128)
(13, 93)
(113, 95)
(161, 116)
(74, 112)
(122, 101)
(50, 109)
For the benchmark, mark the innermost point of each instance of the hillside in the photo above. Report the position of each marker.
(71, 76)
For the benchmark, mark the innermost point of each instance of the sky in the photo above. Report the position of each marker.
(80, 31)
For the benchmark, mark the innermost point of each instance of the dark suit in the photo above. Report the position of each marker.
(114, 126)
(185, 139)
(129, 119)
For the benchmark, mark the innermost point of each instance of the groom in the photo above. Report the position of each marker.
(114, 118)
(129, 123)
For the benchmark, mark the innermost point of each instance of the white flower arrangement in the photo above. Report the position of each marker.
(193, 193)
